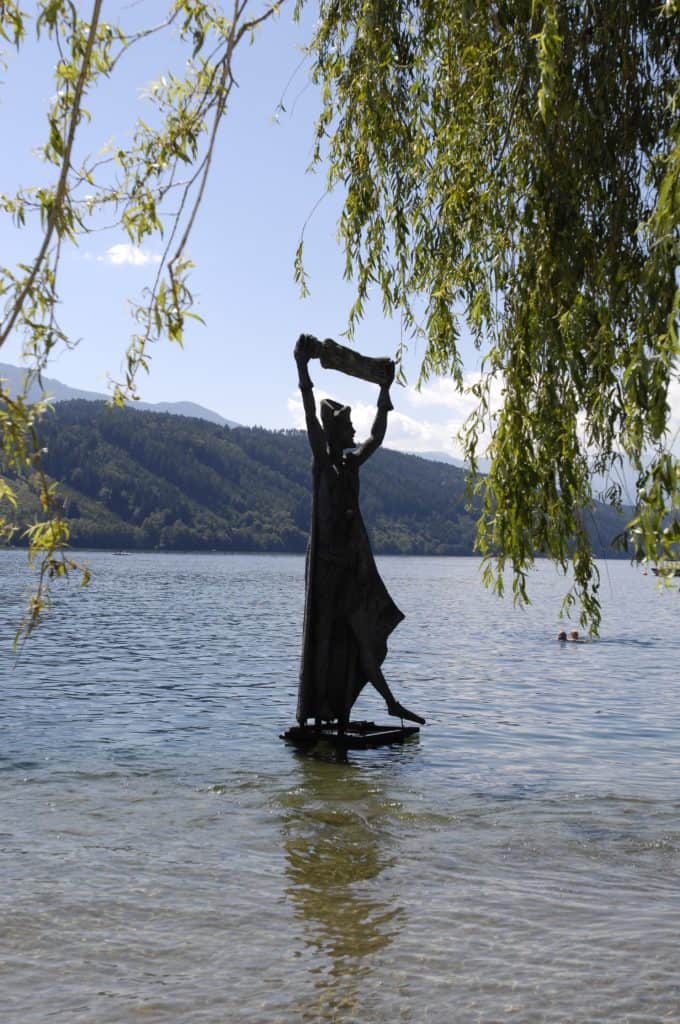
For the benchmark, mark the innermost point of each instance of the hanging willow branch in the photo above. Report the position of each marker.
(512, 169)
(151, 189)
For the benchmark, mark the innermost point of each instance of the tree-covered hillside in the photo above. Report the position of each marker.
(131, 479)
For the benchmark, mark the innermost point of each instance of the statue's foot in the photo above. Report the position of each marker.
(399, 711)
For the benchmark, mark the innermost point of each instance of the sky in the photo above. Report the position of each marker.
(259, 198)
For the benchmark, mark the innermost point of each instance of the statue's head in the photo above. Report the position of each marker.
(336, 420)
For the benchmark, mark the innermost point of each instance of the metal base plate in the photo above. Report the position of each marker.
(356, 735)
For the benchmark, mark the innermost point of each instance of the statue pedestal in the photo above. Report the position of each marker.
(356, 736)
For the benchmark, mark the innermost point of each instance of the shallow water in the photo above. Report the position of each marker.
(166, 858)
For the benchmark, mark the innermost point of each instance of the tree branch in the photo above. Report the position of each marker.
(60, 191)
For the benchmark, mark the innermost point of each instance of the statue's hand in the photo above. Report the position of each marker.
(390, 381)
(307, 347)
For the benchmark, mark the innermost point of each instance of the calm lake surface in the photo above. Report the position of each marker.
(166, 858)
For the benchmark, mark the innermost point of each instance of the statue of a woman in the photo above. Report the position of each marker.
(348, 611)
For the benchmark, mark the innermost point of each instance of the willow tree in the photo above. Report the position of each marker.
(149, 188)
(512, 168)
(508, 166)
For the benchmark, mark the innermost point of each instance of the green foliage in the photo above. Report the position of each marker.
(510, 165)
(20, 455)
(513, 166)
(149, 189)
(139, 189)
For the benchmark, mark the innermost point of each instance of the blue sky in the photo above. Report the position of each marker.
(258, 199)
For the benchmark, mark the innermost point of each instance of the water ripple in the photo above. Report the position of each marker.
(166, 858)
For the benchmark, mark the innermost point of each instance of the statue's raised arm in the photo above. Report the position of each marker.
(306, 348)
(379, 428)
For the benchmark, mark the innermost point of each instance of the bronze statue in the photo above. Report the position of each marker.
(348, 612)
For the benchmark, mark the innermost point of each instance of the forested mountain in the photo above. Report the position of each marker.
(131, 479)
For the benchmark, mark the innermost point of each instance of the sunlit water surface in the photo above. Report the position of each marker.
(166, 858)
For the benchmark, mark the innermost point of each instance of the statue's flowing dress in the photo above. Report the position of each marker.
(348, 612)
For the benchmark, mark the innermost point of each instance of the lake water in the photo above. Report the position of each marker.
(166, 858)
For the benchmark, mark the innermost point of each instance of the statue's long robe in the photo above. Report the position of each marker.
(348, 612)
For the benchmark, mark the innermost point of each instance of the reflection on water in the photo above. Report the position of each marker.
(167, 859)
(337, 843)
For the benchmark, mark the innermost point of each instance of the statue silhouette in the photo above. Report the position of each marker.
(348, 612)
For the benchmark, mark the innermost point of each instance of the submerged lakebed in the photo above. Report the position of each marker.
(166, 858)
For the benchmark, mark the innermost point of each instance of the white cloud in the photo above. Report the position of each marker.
(674, 418)
(418, 435)
(444, 393)
(132, 255)
(437, 414)
(439, 392)
(404, 433)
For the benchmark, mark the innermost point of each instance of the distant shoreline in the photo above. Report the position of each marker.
(613, 557)
(130, 480)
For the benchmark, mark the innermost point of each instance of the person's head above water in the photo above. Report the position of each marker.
(562, 635)
(336, 420)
